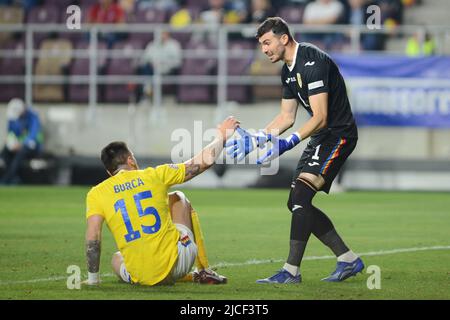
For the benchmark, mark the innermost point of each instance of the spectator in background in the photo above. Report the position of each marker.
(415, 49)
(181, 17)
(323, 12)
(166, 5)
(222, 11)
(218, 12)
(107, 11)
(259, 11)
(213, 15)
(357, 12)
(391, 11)
(235, 12)
(391, 17)
(128, 8)
(357, 16)
(27, 5)
(24, 139)
(168, 56)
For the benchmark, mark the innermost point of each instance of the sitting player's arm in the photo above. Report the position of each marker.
(285, 119)
(93, 248)
(206, 158)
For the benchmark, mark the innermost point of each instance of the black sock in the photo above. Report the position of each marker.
(302, 220)
(324, 230)
(322, 223)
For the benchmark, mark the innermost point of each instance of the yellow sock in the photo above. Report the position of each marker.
(186, 278)
(201, 261)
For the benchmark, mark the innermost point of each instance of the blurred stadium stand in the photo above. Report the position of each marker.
(84, 89)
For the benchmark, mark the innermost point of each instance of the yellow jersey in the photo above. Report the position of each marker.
(135, 206)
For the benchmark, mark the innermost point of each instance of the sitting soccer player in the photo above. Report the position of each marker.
(157, 233)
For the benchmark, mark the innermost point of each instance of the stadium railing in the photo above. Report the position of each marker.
(221, 80)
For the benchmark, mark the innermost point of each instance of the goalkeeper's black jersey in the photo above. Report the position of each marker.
(312, 71)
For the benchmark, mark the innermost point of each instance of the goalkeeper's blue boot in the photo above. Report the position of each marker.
(282, 276)
(345, 270)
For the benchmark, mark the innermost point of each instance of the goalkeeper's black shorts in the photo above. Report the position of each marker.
(325, 159)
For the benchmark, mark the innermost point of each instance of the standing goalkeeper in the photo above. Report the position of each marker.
(311, 78)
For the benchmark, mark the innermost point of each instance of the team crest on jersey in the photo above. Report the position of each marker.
(185, 241)
(299, 80)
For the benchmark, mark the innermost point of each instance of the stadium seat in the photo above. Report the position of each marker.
(144, 37)
(261, 66)
(60, 4)
(241, 55)
(14, 66)
(292, 14)
(200, 4)
(122, 66)
(151, 15)
(87, 4)
(198, 66)
(147, 16)
(11, 15)
(44, 14)
(81, 66)
(57, 56)
(182, 37)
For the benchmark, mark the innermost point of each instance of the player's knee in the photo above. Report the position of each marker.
(116, 261)
(180, 196)
(301, 196)
(289, 201)
(177, 196)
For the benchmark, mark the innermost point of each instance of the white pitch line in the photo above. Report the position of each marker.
(371, 253)
(256, 262)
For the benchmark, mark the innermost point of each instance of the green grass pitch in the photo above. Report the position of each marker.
(42, 233)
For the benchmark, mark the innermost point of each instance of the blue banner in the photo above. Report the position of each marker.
(397, 90)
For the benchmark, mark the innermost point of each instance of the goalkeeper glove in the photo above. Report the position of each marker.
(246, 144)
(280, 146)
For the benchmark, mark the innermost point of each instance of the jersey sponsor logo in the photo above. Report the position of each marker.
(173, 166)
(290, 79)
(299, 80)
(312, 164)
(315, 85)
(309, 63)
(128, 185)
(296, 206)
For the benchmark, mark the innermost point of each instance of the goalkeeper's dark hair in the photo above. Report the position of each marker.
(275, 24)
(115, 154)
